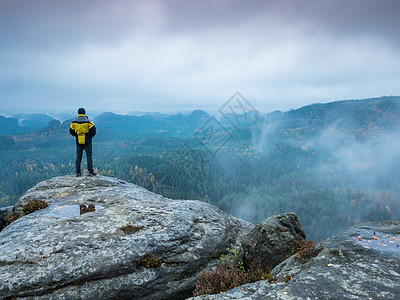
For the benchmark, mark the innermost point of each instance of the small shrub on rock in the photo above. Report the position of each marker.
(34, 205)
(150, 261)
(257, 273)
(230, 274)
(129, 229)
(11, 218)
(307, 249)
(288, 278)
(224, 278)
(232, 257)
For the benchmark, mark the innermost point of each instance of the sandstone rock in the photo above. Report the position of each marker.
(361, 263)
(273, 240)
(57, 253)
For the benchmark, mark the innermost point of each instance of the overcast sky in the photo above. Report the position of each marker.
(174, 55)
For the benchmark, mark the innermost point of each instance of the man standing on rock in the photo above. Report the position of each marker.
(83, 130)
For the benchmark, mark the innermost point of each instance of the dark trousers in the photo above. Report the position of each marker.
(79, 152)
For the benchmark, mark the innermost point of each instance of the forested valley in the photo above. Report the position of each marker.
(334, 164)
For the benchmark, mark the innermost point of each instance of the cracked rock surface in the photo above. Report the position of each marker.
(57, 253)
(363, 262)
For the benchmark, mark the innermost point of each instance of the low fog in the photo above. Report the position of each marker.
(345, 171)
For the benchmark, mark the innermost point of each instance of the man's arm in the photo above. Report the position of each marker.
(92, 129)
(71, 130)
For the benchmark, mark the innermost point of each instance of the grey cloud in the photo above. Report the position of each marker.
(63, 22)
(279, 54)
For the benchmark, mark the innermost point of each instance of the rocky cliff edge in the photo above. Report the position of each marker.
(134, 242)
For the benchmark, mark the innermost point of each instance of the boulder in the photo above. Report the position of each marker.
(363, 262)
(272, 241)
(128, 243)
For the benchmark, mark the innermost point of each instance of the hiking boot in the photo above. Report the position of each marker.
(78, 175)
(92, 174)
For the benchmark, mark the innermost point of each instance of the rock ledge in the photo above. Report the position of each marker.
(56, 253)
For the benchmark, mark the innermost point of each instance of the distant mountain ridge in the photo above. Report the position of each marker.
(380, 110)
(108, 121)
(9, 126)
(356, 116)
(23, 123)
(174, 124)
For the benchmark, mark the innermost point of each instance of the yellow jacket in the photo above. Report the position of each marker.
(83, 129)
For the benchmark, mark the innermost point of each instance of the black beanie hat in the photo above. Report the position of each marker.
(81, 111)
